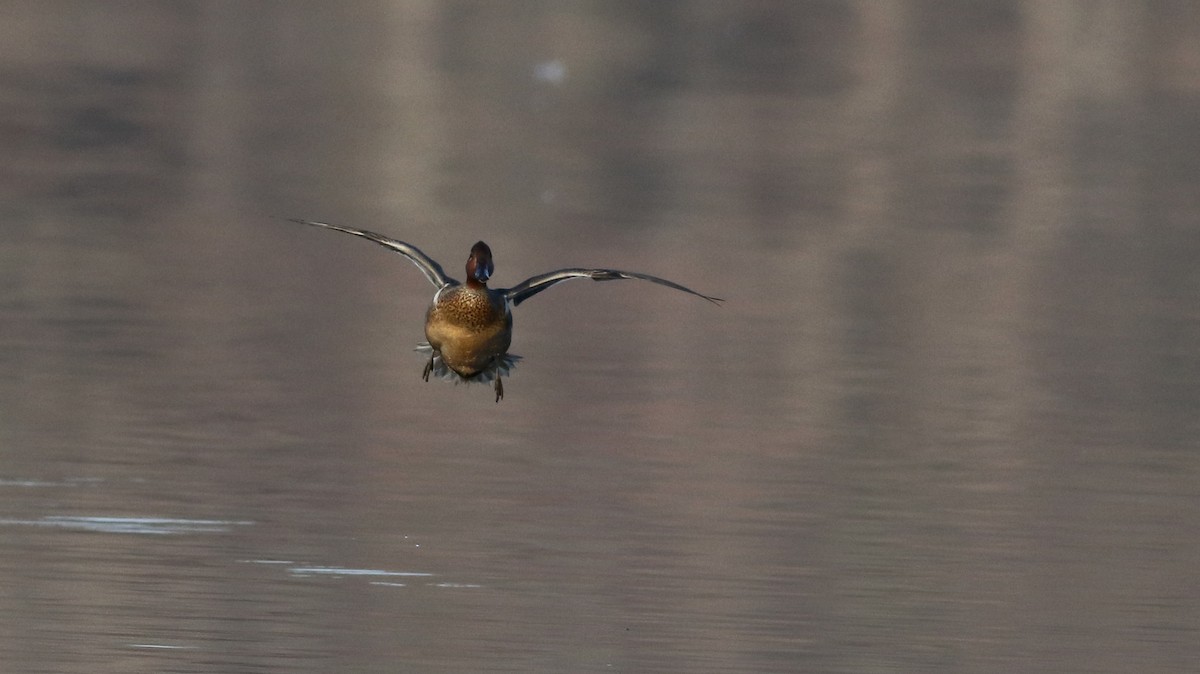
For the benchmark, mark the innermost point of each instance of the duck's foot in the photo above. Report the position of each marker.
(428, 366)
(499, 388)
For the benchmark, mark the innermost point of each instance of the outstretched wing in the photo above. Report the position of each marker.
(532, 286)
(432, 270)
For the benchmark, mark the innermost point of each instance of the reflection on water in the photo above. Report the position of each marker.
(946, 420)
(338, 571)
(129, 525)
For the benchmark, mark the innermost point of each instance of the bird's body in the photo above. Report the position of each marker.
(469, 328)
(468, 325)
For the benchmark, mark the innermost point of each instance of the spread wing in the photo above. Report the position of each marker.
(432, 270)
(532, 286)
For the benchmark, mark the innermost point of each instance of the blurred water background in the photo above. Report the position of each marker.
(947, 420)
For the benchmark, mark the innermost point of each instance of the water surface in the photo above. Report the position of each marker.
(946, 421)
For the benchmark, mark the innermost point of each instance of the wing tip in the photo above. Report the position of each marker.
(303, 221)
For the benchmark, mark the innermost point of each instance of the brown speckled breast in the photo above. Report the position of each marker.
(470, 327)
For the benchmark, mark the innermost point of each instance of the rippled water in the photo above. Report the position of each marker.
(946, 421)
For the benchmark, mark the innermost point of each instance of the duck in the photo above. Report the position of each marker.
(468, 326)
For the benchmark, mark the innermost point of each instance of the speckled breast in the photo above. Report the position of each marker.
(470, 327)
